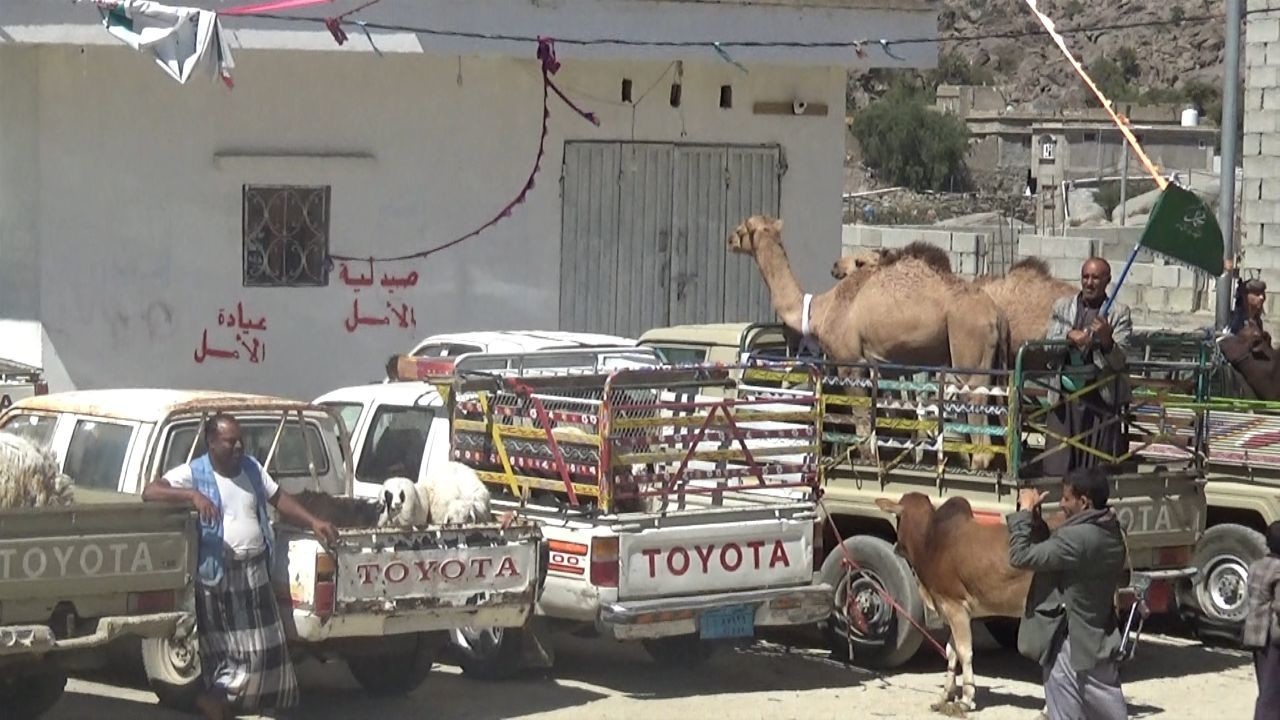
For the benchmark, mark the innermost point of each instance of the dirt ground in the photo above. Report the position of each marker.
(1172, 677)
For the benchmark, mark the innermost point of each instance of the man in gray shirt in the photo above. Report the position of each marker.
(1069, 625)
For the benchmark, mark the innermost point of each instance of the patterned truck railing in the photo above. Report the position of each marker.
(879, 419)
(635, 439)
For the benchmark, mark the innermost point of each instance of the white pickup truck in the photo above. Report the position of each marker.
(381, 599)
(641, 545)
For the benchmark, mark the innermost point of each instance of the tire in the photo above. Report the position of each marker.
(1215, 598)
(679, 651)
(173, 671)
(491, 654)
(397, 670)
(889, 640)
(27, 696)
(1004, 631)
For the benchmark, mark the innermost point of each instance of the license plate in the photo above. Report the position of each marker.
(736, 621)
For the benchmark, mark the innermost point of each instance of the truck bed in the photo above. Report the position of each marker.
(105, 570)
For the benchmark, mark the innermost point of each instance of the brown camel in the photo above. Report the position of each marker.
(903, 312)
(1025, 295)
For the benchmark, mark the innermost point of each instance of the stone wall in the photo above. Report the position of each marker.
(1260, 150)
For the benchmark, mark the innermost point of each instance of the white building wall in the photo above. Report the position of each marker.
(139, 227)
(19, 196)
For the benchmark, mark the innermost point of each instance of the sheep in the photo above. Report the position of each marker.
(404, 503)
(454, 495)
(343, 512)
(29, 475)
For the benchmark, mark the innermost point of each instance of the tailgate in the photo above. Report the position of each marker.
(466, 568)
(64, 568)
(697, 558)
(1163, 515)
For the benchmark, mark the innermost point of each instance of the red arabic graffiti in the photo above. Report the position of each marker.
(401, 314)
(255, 350)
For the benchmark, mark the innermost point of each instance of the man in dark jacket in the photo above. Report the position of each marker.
(1069, 625)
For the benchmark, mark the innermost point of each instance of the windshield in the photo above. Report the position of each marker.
(291, 456)
(394, 443)
(36, 428)
(348, 412)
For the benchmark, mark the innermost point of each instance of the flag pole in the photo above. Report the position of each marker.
(1123, 274)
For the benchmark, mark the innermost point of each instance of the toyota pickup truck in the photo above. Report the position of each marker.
(381, 599)
(662, 524)
(73, 581)
(909, 439)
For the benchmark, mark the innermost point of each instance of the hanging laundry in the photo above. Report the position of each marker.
(180, 38)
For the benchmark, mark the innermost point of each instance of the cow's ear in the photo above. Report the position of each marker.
(889, 506)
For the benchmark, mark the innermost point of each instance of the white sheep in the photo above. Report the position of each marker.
(455, 495)
(29, 475)
(403, 504)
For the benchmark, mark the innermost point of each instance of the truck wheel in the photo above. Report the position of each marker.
(27, 696)
(398, 668)
(490, 653)
(1216, 597)
(173, 670)
(679, 651)
(861, 616)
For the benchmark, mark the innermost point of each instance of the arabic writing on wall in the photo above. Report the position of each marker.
(244, 329)
(401, 313)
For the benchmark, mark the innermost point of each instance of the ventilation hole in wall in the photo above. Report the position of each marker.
(675, 95)
(626, 90)
(726, 96)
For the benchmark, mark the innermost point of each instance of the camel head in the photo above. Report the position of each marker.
(861, 260)
(743, 239)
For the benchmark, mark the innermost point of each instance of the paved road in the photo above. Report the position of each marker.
(1173, 678)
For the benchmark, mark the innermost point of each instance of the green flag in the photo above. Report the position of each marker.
(1184, 228)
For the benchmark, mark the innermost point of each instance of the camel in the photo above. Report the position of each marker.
(903, 312)
(1025, 295)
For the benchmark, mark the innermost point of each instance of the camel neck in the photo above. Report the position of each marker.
(784, 289)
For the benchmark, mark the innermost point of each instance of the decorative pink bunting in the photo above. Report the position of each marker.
(547, 55)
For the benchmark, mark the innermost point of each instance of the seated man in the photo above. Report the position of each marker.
(1248, 346)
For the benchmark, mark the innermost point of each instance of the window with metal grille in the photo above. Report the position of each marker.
(286, 235)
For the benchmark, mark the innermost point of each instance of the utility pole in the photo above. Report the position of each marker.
(1230, 157)
(1124, 181)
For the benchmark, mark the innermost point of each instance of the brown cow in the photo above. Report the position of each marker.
(962, 567)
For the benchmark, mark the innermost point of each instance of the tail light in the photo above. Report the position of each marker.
(42, 387)
(151, 602)
(604, 562)
(322, 592)
(819, 543)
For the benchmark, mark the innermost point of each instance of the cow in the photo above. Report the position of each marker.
(963, 571)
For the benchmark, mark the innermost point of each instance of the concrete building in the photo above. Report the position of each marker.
(1072, 144)
(153, 233)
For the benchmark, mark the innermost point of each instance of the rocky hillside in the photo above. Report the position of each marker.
(1031, 72)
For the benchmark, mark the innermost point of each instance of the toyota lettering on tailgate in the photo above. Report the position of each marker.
(716, 558)
(435, 573)
(729, 557)
(1159, 517)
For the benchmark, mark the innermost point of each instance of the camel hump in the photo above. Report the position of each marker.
(1034, 265)
(954, 507)
(927, 253)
